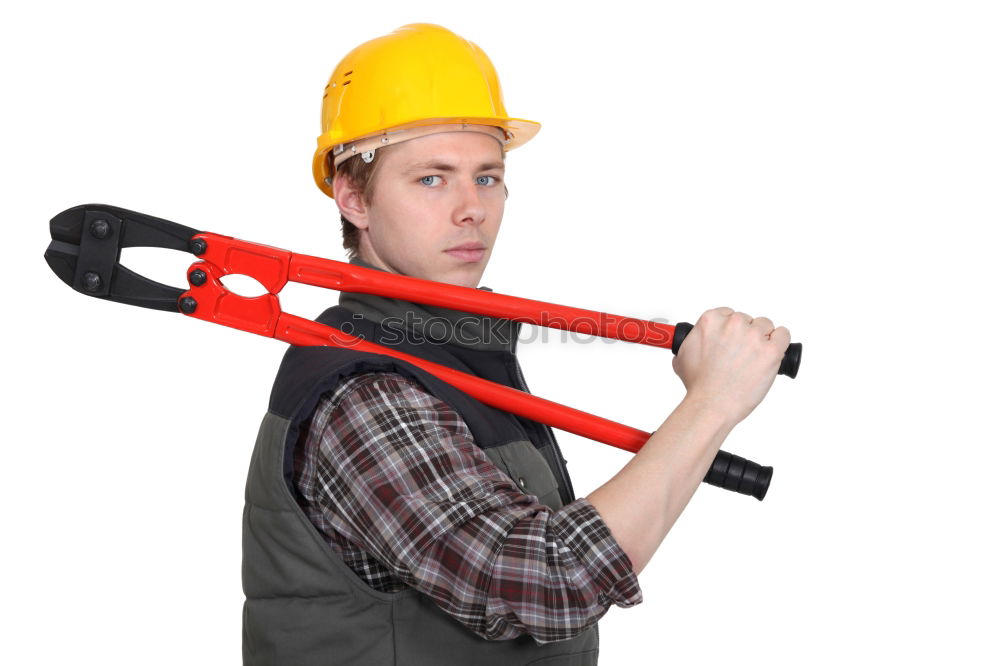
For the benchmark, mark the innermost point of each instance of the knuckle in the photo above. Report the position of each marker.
(782, 335)
(763, 324)
(711, 315)
(738, 319)
(720, 311)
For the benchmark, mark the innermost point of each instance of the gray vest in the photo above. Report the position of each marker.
(304, 606)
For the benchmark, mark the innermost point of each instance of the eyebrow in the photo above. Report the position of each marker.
(434, 165)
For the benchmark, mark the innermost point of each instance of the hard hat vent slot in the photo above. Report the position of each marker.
(346, 82)
(348, 73)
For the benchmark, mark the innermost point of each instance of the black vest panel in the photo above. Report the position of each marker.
(304, 605)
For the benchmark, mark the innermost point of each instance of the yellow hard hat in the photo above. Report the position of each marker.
(416, 76)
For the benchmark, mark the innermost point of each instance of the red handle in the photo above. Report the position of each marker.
(348, 277)
(300, 331)
(273, 267)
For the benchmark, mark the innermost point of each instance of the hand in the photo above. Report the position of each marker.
(729, 361)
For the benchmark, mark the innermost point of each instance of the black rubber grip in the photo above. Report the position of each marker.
(739, 475)
(789, 364)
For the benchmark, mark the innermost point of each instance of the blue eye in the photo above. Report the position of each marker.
(430, 181)
(485, 180)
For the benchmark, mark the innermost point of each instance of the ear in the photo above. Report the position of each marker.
(349, 200)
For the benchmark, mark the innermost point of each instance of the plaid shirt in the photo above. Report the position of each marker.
(393, 480)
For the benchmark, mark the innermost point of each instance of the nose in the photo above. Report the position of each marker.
(469, 206)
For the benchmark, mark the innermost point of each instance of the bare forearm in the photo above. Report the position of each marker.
(641, 503)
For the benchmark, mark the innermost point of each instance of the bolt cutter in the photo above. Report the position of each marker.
(86, 248)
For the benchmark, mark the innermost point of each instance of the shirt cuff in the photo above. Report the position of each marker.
(580, 527)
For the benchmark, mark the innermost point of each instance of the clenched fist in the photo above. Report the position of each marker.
(729, 361)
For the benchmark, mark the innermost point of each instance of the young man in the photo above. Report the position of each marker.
(392, 519)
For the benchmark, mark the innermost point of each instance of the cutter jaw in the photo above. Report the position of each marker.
(86, 249)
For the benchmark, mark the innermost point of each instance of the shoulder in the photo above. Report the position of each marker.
(379, 387)
(371, 397)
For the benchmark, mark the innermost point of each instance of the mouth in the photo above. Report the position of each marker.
(468, 251)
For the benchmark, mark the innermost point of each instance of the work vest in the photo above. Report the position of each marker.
(304, 605)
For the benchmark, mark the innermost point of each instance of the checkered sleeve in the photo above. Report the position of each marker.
(392, 477)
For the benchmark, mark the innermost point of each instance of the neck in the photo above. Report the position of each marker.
(434, 324)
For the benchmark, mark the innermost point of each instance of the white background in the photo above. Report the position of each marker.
(833, 166)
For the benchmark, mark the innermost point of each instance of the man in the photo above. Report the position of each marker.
(392, 519)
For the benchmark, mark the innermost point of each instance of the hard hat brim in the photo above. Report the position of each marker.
(520, 131)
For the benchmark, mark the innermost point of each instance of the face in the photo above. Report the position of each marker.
(432, 194)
